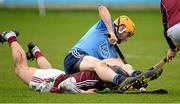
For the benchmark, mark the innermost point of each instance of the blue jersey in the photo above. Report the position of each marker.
(96, 44)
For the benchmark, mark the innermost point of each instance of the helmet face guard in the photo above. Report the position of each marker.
(129, 27)
(117, 33)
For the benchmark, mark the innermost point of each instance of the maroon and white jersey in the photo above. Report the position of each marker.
(46, 80)
(170, 10)
(84, 80)
(43, 80)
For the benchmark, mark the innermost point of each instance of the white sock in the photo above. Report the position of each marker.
(35, 49)
(9, 34)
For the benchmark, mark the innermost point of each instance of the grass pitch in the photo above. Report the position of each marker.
(59, 30)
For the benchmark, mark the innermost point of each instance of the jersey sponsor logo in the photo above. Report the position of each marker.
(104, 49)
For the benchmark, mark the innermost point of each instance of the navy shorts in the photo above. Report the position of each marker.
(73, 60)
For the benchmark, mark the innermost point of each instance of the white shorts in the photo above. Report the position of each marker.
(43, 80)
(174, 34)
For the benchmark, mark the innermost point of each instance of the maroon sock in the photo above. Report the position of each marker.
(38, 54)
(11, 39)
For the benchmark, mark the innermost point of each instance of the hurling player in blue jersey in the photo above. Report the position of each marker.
(96, 49)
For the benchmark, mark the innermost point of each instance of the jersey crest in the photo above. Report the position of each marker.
(104, 49)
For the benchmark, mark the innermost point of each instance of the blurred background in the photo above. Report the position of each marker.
(79, 3)
(43, 5)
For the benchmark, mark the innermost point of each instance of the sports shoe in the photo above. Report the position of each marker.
(155, 73)
(136, 73)
(129, 82)
(138, 84)
(29, 54)
(2, 35)
(149, 75)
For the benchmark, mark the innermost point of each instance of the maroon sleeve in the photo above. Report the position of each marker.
(165, 24)
(85, 75)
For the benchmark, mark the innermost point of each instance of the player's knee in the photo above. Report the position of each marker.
(19, 69)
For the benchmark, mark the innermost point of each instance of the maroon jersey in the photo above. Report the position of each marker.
(170, 16)
(84, 80)
(170, 11)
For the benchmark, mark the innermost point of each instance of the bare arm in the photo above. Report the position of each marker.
(106, 18)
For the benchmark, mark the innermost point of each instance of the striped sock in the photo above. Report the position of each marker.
(11, 39)
(117, 79)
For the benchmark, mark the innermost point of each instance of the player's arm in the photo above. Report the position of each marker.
(106, 18)
(165, 22)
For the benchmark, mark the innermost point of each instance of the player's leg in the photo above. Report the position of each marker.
(89, 63)
(119, 67)
(19, 58)
(114, 62)
(105, 72)
(78, 61)
(34, 52)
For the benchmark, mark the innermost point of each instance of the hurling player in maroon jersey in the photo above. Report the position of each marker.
(170, 10)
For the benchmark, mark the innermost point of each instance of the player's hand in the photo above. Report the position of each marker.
(171, 54)
(112, 38)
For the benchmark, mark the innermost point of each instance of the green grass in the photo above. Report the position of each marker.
(59, 30)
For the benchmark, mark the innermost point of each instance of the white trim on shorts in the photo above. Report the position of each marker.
(75, 53)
